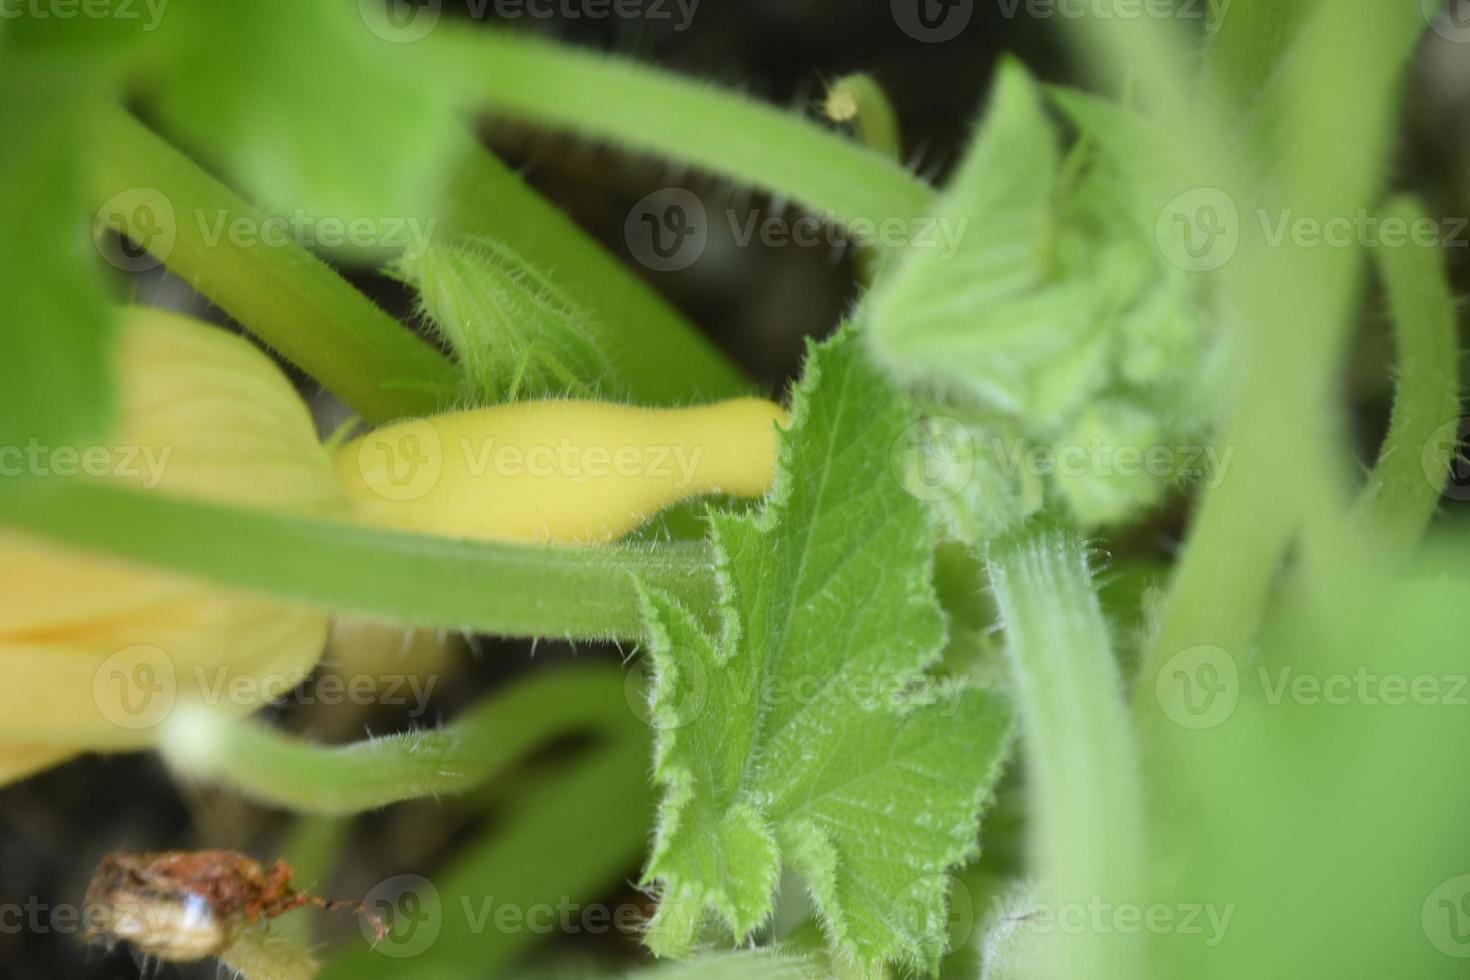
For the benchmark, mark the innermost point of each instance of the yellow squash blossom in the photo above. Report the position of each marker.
(96, 653)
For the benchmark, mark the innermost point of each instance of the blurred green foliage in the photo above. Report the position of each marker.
(1326, 827)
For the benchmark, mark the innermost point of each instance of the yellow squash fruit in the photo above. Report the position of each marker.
(566, 471)
(571, 472)
(96, 653)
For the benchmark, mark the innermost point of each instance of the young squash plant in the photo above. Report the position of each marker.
(833, 712)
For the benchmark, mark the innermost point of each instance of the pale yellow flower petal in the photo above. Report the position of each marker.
(96, 653)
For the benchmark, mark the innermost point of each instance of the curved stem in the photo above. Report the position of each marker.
(271, 767)
(1400, 496)
(691, 122)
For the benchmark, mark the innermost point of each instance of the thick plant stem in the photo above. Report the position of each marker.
(1292, 306)
(1078, 744)
(413, 580)
(275, 288)
(268, 766)
(692, 123)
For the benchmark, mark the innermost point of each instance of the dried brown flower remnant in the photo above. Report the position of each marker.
(185, 906)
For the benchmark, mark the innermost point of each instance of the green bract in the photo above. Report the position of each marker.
(1058, 312)
(517, 333)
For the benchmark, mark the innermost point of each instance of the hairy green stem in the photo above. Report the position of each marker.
(1402, 493)
(276, 289)
(416, 580)
(1077, 739)
(277, 769)
(564, 841)
(693, 123)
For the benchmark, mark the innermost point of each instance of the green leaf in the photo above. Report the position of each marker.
(517, 334)
(807, 729)
(295, 97)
